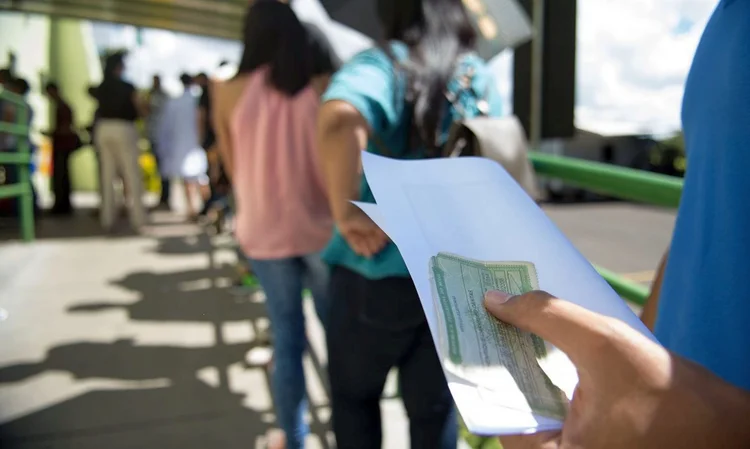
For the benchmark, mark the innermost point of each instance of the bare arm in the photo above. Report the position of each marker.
(342, 134)
(223, 143)
(201, 125)
(648, 315)
(140, 106)
(632, 392)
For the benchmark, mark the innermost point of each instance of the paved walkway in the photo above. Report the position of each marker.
(139, 342)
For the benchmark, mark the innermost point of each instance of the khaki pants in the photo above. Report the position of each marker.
(117, 142)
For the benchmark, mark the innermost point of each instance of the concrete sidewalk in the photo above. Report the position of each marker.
(138, 342)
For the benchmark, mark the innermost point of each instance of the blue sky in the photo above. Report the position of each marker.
(633, 57)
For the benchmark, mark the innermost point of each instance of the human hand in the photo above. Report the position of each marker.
(360, 232)
(632, 393)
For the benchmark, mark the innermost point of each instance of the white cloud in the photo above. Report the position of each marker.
(633, 58)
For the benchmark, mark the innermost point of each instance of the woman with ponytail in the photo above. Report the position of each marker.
(265, 122)
(390, 100)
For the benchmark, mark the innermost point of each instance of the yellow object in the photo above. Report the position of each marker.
(151, 178)
(85, 171)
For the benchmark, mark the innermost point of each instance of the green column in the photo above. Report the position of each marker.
(74, 65)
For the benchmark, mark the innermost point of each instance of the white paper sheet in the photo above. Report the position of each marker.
(472, 207)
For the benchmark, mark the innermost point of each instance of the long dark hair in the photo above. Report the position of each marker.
(275, 37)
(437, 33)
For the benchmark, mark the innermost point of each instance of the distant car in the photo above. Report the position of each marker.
(631, 151)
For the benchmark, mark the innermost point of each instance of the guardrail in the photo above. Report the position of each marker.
(21, 159)
(619, 182)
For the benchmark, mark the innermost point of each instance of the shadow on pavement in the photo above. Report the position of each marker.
(170, 406)
(184, 415)
(188, 296)
(84, 223)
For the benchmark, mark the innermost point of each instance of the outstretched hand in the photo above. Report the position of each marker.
(632, 393)
(360, 232)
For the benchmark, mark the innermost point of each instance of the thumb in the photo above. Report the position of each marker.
(569, 327)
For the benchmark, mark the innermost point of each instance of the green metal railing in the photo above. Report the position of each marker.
(22, 158)
(618, 182)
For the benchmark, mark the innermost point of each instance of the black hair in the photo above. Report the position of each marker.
(113, 62)
(437, 33)
(186, 79)
(21, 85)
(274, 36)
(6, 74)
(51, 85)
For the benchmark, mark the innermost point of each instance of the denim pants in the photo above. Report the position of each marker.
(376, 325)
(283, 281)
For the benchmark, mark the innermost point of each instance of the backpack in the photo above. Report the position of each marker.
(472, 132)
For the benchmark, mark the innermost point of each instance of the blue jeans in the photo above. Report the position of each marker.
(283, 281)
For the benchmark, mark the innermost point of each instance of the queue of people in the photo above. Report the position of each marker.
(288, 128)
(178, 130)
(294, 178)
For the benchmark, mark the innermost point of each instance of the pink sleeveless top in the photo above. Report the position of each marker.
(282, 208)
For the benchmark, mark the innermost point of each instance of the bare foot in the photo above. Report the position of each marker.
(276, 439)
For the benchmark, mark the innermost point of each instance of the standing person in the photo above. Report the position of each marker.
(65, 140)
(710, 243)
(156, 99)
(91, 90)
(693, 392)
(18, 86)
(116, 138)
(5, 79)
(265, 123)
(180, 153)
(217, 181)
(390, 99)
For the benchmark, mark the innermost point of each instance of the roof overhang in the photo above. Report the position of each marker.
(215, 18)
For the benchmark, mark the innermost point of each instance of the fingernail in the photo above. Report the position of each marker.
(497, 297)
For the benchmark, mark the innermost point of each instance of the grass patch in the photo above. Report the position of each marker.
(477, 442)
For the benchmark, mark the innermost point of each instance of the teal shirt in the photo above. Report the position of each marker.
(368, 82)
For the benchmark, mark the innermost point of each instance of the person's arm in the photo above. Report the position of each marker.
(632, 393)
(358, 102)
(65, 119)
(342, 133)
(147, 109)
(221, 128)
(141, 109)
(201, 125)
(650, 309)
(203, 105)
